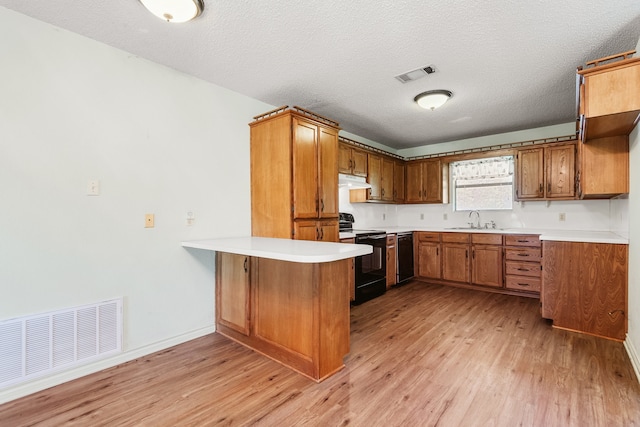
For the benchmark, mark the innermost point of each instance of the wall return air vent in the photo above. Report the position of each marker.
(40, 344)
(416, 74)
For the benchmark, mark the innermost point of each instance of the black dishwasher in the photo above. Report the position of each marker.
(405, 257)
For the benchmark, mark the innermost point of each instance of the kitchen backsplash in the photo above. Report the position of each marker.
(603, 215)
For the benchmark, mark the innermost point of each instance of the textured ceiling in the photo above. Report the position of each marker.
(510, 63)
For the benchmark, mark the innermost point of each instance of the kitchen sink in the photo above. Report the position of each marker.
(473, 228)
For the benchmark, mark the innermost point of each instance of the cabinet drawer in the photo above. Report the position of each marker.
(523, 283)
(522, 268)
(522, 240)
(524, 254)
(486, 239)
(428, 237)
(455, 237)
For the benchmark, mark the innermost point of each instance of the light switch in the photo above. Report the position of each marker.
(149, 221)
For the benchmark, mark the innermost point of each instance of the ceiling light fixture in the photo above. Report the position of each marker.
(174, 10)
(432, 99)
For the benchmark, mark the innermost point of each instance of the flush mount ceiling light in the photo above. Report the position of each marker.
(174, 10)
(432, 99)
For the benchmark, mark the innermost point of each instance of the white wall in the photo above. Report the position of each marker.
(633, 337)
(74, 110)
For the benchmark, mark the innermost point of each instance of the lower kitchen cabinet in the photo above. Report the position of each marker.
(584, 287)
(427, 255)
(523, 256)
(232, 291)
(455, 257)
(391, 260)
(352, 274)
(486, 260)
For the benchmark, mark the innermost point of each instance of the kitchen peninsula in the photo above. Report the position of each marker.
(287, 299)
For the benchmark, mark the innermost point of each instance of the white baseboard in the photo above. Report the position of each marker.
(633, 355)
(39, 384)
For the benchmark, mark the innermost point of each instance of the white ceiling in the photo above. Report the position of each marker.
(509, 63)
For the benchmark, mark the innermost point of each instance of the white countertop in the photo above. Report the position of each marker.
(282, 249)
(545, 234)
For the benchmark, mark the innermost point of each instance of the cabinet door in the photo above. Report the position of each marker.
(306, 230)
(327, 173)
(232, 291)
(398, 182)
(358, 162)
(486, 265)
(604, 167)
(375, 176)
(305, 169)
(560, 165)
(387, 180)
(530, 174)
(455, 262)
(429, 260)
(414, 182)
(344, 159)
(352, 275)
(432, 184)
(329, 231)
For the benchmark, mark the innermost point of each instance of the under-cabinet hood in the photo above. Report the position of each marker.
(352, 182)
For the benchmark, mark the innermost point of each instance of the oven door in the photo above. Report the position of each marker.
(371, 269)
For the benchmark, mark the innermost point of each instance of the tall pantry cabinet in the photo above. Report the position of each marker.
(294, 175)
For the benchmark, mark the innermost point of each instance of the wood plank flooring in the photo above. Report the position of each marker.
(421, 355)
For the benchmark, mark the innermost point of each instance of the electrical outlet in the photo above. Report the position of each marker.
(93, 188)
(421, 216)
(190, 218)
(149, 221)
(562, 216)
(384, 216)
(445, 216)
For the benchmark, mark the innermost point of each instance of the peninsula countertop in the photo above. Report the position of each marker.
(302, 251)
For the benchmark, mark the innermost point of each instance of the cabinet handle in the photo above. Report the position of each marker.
(540, 191)
(317, 233)
(351, 164)
(382, 192)
(523, 269)
(321, 205)
(523, 241)
(437, 251)
(322, 234)
(245, 264)
(611, 313)
(466, 253)
(523, 254)
(473, 254)
(549, 188)
(523, 284)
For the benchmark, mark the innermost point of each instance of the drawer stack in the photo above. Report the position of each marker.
(523, 255)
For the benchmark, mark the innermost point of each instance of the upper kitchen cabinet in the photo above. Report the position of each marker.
(351, 160)
(294, 174)
(374, 176)
(425, 181)
(547, 172)
(608, 101)
(603, 167)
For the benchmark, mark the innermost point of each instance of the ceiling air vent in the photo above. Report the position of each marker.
(412, 75)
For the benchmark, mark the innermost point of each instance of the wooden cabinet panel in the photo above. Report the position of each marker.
(398, 181)
(486, 239)
(374, 176)
(523, 283)
(584, 287)
(428, 260)
(352, 161)
(359, 166)
(560, 163)
(391, 260)
(455, 262)
(530, 174)
(305, 169)
(455, 237)
(611, 90)
(414, 182)
(386, 192)
(486, 265)
(523, 254)
(432, 181)
(604, 167)
(522, 240)
(424, 236)
(522, 268)
(327, 230)
(352, 275)
(327, 173)
(232, 291)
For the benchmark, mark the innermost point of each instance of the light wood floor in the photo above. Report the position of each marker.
(421, 355)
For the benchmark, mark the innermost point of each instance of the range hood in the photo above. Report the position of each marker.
(352, 182)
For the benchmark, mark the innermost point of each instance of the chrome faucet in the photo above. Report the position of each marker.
(477, 219)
